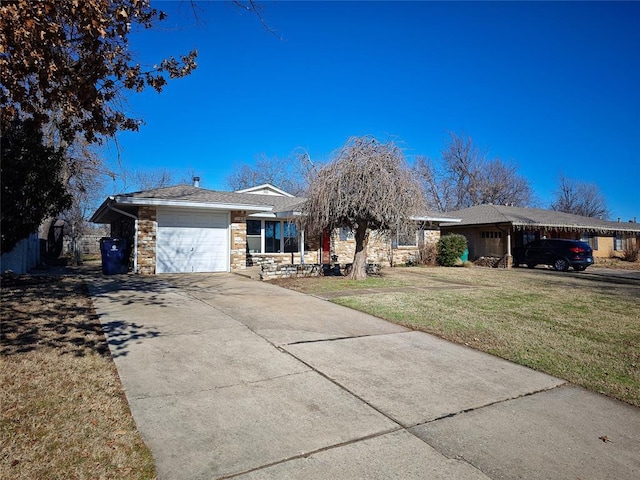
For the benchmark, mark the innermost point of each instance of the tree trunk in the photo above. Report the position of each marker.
(359, 267)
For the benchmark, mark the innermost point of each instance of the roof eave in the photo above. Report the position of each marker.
(436, 219)
(161, 202)
(101, 211)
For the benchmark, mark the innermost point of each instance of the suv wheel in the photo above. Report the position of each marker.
(561, 265)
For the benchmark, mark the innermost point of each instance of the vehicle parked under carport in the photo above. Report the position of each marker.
(557, 253)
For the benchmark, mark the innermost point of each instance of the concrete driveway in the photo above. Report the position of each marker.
(232, 378)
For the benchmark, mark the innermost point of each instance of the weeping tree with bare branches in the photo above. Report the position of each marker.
(367, 186)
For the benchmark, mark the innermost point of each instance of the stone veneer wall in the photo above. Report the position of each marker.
(260, 259)
(147, 237)
(238, 246)
(274, 271)
(311, 255)
(379, 249)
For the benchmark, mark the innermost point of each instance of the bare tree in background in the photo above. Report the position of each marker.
(579, 198)
(291, 174)
(466, 177)
(367, 186)
(151, 179)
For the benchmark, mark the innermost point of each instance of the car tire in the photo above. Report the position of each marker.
(561, 265)
(531, 265)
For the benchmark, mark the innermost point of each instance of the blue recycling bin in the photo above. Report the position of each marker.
(113, 252)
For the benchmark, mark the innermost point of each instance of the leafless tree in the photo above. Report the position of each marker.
(150, 179)
(466, 176)
(367, 186)
(291, 174)
(579, 198)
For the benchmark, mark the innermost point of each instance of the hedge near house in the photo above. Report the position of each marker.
(450, 249)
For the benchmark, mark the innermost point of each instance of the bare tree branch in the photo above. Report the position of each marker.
(579, 198)
(467, 177)
(368, 186)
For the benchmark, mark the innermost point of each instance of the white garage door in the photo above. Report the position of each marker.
(192, 242)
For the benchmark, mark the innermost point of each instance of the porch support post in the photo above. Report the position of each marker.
(509, 262)
(302, 246)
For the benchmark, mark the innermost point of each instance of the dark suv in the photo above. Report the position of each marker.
(560, 254)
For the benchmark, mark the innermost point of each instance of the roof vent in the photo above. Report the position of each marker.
(196, 181)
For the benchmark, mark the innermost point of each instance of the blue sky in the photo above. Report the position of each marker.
(551, 86)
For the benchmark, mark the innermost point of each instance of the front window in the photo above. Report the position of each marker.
(254, 236)
(591, 239)
(272, 237)
(290, 237)
(407, 238)
(346, 233)
(618, 242)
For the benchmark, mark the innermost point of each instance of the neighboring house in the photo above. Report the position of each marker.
(186, 228)
(495, 230)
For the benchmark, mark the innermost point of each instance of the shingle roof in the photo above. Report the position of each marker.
(189, 193)
(535, 217)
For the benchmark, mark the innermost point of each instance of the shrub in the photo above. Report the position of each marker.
(427, 254)
(450, 249)
(631, 253)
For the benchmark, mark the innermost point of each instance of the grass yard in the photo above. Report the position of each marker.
(584, 329)
(64, 413)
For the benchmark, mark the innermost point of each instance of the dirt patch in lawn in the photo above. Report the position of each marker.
(64, 413)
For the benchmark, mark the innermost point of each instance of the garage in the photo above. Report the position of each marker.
(192, 241)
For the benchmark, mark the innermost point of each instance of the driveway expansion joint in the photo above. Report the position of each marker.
(334, 339)
(311, 453)
(490, 404)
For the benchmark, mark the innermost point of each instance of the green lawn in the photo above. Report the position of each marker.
(580, 328)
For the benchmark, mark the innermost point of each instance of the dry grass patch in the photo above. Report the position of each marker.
(582, 329)
(64, 413)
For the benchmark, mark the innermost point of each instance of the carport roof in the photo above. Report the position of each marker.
(536, 218)
(188, 196)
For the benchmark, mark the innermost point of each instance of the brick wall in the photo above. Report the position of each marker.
(147, 236)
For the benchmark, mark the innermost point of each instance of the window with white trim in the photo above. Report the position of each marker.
(407, 238)
(290, 237)
(254, 236)
(272, 236)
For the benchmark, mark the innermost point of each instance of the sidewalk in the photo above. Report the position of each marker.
(232, 378)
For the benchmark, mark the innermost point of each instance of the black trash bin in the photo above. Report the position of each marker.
(113, 251)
